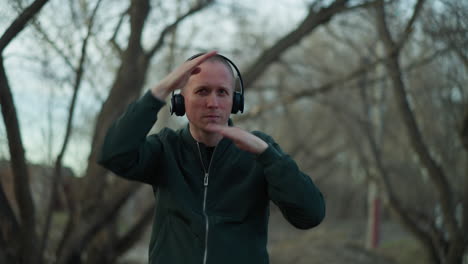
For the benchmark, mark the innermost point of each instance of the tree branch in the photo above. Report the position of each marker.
(435, 172)
(19, 168)
(328, 87)
(56, 178)
(27, 234)
(384, 181)
(395, 204)
(113, 40)
(409, 27)
(126, 87)
(309, 24)
(9, 228)
(198, 7)
(54, 46)
(20, 22)
(463, 58)
(88, 229)
(133, 235)
(464, 139)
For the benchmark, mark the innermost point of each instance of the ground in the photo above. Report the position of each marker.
(340, 241)
(334, 241)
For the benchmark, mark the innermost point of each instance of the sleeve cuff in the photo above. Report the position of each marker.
(150, 101)
(270, 155)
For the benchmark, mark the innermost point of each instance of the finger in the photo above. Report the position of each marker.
(225, 131)
(232, 133)
(190, 67)
(214, 128)
(193, 64)
(197, 70)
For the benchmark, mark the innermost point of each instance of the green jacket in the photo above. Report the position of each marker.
(220, 216)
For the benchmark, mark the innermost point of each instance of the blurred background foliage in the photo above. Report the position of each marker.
(369, 97)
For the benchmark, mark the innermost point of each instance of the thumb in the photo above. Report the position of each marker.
(214, 128)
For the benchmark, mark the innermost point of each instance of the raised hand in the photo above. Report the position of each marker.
(179, 77)
(243, 139)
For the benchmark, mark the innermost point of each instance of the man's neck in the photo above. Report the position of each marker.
(209, 139)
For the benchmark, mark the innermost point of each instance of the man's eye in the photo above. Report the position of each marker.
(202, 91)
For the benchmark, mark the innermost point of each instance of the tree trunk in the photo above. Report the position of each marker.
(27, 233)
(454, 238)
(311, 22)
(9, 228)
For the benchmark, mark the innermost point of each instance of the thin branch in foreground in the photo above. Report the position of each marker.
(200, 5)
(27, 236)
(330, 86)
(113, 39)
(20, 22)
(56, 179)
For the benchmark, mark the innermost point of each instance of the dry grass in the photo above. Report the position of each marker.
(340, 242)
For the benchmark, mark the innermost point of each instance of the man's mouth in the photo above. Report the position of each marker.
(212, 116)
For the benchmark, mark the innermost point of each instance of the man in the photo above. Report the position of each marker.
(212, 181)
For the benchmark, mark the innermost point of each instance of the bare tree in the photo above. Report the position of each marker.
(448, 244)
(22, 247)
(26, 248)
(95, 201)
(429, 215)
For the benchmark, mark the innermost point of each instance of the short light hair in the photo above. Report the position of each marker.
(219, 59)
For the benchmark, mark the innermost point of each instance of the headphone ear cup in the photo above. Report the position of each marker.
(177, 105)
(237, 103)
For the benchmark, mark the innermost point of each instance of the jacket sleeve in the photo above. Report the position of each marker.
(127, 151)
(294, 192)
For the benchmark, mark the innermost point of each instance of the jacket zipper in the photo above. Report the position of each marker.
(205, 184)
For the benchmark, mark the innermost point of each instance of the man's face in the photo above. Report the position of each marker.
(208, 95)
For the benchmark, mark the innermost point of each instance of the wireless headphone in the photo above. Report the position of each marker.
(177, 100)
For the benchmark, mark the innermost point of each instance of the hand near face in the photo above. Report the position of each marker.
(243, 139)
(179, 77)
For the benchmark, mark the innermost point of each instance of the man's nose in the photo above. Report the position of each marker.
(212, 100)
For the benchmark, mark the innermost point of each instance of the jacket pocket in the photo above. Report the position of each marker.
(176, 243)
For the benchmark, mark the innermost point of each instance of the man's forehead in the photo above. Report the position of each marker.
(218, 61)
(214, 68)
(206, 75)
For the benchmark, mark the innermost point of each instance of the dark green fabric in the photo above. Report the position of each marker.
(239, 189)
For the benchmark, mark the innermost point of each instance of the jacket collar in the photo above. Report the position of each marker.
(190, 141)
